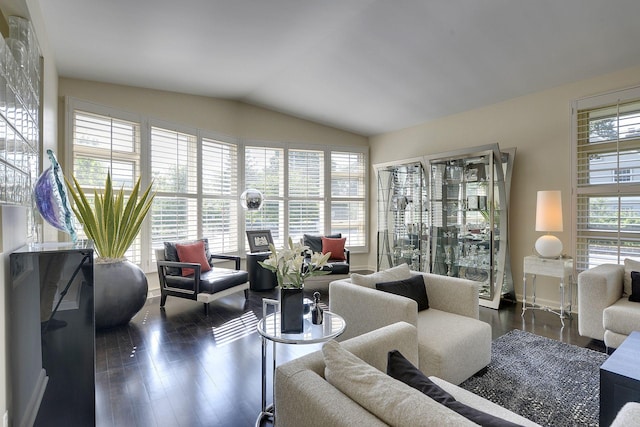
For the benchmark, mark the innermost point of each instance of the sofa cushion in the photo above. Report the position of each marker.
(452, 347)
(315, 242)
(401, 369)
(623, 317)
(635, 287)
(194, 253)
(629, 266)
(336, 267)
(412, 287)
(400, 272)
(335, 246)
(390, 400)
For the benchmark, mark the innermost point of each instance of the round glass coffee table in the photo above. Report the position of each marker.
(269, 328)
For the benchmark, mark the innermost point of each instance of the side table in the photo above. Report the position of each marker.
(560, 268)
(269, 328)
(260, 279)
(620, 379)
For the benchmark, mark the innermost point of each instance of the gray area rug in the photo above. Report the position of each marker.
(544, 380)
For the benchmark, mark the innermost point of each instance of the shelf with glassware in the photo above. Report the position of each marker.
(468, 227)
(401, 215)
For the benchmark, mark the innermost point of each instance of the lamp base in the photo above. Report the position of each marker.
(549, 246)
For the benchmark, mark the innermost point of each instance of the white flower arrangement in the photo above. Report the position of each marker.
(290, 265)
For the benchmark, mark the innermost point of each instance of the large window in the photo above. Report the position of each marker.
(103, 143)
(607, 178)
(308, 191)
(198, 178)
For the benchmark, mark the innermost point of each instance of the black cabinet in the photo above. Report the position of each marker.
(260, 279)
(52, 335)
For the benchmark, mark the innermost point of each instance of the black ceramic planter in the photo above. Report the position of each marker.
(120, 291)
(291, 311)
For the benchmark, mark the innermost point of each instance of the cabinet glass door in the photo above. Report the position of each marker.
(402, 216)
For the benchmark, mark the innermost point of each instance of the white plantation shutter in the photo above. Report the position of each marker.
(348, 196)
(306, 193)
(607, 178)
(103, 143)
(264, 170)
(220, 195)
(174, 214)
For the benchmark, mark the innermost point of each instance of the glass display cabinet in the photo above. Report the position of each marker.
(402, 216)
(468, 195)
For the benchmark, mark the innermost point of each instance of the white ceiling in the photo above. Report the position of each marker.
(368, 66)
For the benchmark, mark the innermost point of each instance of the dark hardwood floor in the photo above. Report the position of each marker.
(179, 367)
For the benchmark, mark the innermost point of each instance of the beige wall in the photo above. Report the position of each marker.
(539, 126)
(218, 115)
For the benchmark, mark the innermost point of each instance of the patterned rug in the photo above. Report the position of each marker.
(544, 380)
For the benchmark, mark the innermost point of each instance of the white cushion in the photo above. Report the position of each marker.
(629, 266)
(392, 401)
(400, 272)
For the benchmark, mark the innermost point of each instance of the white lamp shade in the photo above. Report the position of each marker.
(549, 211)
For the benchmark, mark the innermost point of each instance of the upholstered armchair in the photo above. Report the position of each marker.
(605, 310)
(186, 270)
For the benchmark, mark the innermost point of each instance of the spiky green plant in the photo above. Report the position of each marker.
(111, 222)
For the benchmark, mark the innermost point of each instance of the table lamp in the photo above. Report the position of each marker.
(548, 219)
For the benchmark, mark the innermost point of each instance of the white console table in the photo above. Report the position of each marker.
(560, 268)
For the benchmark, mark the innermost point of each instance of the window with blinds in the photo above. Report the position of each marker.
(174, 170)
(101, 144)
(607, 178)
(219, 179)
(348, 203)
(306, 193)
(264, 170)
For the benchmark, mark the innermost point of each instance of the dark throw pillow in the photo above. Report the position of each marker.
(635, 287)
(401, 369)
(411, 288)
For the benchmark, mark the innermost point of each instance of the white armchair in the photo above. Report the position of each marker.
(453, 343)
(603, 312)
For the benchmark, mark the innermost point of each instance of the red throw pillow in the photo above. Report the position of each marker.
(335, 246)
(193, 252)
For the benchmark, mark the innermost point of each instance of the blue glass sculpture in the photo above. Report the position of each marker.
(50, 196)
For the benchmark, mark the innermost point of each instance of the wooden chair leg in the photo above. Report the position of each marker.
(206, 308)
(246, 294)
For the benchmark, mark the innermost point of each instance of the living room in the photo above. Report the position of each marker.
(538, 123)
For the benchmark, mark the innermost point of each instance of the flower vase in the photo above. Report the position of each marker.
(291, 310)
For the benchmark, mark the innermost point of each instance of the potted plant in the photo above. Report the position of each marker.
(291, 266)
(112, 222)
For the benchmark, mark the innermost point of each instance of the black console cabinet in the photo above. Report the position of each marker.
(52, 335)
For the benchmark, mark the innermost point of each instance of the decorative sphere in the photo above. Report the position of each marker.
(251, 199)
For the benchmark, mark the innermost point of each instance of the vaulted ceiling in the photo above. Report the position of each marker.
(367, 66)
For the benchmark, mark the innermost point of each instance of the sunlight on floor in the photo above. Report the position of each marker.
(235, 329)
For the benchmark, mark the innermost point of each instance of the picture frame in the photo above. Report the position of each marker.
(259, 240)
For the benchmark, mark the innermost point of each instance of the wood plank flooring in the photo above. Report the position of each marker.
(179, 367)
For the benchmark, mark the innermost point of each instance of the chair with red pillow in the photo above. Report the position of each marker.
(338, 265)
(186, 270)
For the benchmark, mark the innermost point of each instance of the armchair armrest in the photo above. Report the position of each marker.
(366, 309)
(228, 258)
(452, 294)
(598, 288)
(347, 255)
(162, 275)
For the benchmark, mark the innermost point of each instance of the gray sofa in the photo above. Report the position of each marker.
(604, 310)
(304, 398)
(453, 343)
